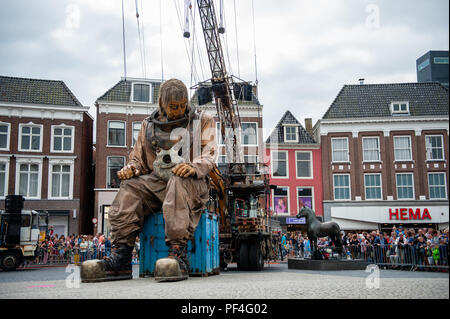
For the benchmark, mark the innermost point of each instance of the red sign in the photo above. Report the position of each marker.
(409, 214)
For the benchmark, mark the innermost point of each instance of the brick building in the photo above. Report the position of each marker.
(46, 151)
(120, 112)
(385, 153)
(294, 158)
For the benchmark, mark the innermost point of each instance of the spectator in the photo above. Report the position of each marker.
(83, 249)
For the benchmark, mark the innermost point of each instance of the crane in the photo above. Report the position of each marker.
(243, 190)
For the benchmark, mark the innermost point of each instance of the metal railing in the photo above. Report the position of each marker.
(65, 256)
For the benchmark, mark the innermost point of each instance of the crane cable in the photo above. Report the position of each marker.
(140, 39)
(123, 42)
(237, 42)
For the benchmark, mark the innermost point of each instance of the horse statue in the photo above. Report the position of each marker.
(316, 229)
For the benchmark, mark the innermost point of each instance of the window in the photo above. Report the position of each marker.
(434, 147)
(116, 133)
(405, 186)
(29, 180)
(136, 130)
(248, 134)
(372, 184)
(30, 137)
(60, 181)
(279, 164)
(4, 136)
(281, 200)
(290, 134)
(115, 164)
(341, 185)
(3, 179)
(371, 149)
(141, 92)
(305, 197)
(304, 164)
(400, 107)
(437, 186)
(62, 139)
(441, 60)
(339, 149)
(402, 148)
(219, 134)
(423, 65)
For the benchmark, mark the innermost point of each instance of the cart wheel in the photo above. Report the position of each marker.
(244, 263)
(256, 256)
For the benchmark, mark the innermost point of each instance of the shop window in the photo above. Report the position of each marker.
(305, 197)
(405, 186)
(281, 200)
(437, 186)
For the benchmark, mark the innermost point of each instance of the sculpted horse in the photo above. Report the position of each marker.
(316, 229)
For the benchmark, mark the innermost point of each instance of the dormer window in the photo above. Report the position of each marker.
(400, 108)
(140, 92)
(290, 134)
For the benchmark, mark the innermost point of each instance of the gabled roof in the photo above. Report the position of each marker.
(36, 91)
(121, 92)
(277, 135)
(373, 100)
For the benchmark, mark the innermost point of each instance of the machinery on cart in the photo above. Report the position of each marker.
(241, 191)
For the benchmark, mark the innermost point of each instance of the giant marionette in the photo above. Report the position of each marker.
(167, 170)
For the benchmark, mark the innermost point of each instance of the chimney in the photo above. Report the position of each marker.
(361, 81)
(308, 126)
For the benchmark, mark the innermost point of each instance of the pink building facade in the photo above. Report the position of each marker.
(294, 160)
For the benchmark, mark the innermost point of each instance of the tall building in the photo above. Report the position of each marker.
(250, 112)
(294, 158)
(433, 67)
(46, 151)
(385, 156)
(120, 112)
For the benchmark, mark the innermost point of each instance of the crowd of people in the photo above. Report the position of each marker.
(76, 249)
(426, 247)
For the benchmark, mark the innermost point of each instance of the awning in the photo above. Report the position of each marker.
(347, 224)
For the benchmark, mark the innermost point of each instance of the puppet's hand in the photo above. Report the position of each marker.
(183, 170)
(128, 172)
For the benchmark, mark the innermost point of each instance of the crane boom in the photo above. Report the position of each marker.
(226, 110)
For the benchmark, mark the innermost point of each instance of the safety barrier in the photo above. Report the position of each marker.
(55, 257)
(401, 256)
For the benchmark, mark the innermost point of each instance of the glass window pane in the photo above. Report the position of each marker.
(3, 140)
(65, 185)
(35, 142)
(58, 131)
(55, 185)
(23, 184)
(248, 133)
(67, 143)
(33, 184)
(57, 143)
(36, 130)
(56, 168)
(68, 132)
(66, 168)
(3, 129)
(24, 167)
(25, 142)
(25, 130)
(303, 169)
(34, 167)
(117, 125)
(303, 156)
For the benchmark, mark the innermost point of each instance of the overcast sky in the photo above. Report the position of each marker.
(306, 50)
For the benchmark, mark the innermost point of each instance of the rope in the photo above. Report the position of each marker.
(161, 39)
(143, 39)
(237, 42)
(123, 39)
(254, 43)
(140, 41)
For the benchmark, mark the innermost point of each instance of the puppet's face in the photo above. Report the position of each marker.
(175, 109)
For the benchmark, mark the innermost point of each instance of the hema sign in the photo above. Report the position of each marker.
(391, 214)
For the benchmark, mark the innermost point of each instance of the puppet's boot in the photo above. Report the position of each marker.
(114, 267)
(175, 267)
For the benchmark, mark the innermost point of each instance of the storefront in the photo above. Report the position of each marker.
(384, 216)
